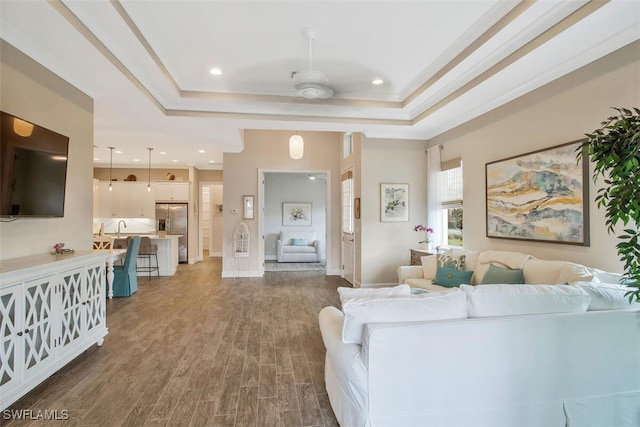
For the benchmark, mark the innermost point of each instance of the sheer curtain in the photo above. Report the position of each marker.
(434, 208)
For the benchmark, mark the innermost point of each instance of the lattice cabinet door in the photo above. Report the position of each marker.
(11, 344)
(94, 297)
(38, 324)
(71, 311)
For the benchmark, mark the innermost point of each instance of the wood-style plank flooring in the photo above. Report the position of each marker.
(198, 350)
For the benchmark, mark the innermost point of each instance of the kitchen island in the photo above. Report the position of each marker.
(167, 252)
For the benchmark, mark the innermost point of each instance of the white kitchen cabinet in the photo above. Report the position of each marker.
(171, 191)
(106, 201)
(126, 200)
(52, 309)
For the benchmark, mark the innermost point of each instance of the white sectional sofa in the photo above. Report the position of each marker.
(298, 246)
(487, 355)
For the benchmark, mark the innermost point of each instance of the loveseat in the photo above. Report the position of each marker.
(298, 246)
(551, 354)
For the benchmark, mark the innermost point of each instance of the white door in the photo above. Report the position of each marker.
(348, 246)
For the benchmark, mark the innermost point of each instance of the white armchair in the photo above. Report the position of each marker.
(298, 246)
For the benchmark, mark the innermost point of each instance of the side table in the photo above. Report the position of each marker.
(416, 254)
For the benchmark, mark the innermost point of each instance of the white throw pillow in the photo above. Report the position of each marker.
(542, 272)
(410, 308)
(429, 266)
(512, 300)
(346, 293)
(606, 296)
(572, 272)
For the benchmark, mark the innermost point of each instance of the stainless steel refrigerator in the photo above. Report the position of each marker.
(172, 219)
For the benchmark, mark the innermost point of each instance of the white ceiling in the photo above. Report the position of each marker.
(146, 64)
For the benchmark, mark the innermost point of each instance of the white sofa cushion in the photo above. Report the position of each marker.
(429, 266)
(408, 308)
(298, 249)
(606, 296)
(510, 300)
(346, 293)
(547, 272)
(542, 272)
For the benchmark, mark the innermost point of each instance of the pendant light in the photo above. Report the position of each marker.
(296, 147)
(149, 176)
(110, 166)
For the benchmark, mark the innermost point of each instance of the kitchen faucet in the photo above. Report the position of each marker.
(125, 226)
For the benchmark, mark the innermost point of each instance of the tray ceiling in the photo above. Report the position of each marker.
(442, 63)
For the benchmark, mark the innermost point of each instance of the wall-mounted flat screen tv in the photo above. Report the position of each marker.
(33, 169)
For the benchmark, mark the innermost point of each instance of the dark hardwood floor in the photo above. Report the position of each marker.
(196, 350)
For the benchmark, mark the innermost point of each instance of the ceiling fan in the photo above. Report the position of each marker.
(311, 84)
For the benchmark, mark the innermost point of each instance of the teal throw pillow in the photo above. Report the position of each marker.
(298, 242)
(451, 277)
(498, 276)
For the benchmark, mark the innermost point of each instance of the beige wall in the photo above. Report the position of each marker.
(560, 112)
(385, 245)
(210, 175)
(30, 91)
(268, 151)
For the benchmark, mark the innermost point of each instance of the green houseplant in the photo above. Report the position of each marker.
(614, 148)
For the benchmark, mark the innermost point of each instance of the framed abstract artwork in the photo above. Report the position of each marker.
(394, 202)
(539, 196)
(296, 213)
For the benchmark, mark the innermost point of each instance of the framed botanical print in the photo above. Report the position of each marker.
(394, 202)
(296, 213)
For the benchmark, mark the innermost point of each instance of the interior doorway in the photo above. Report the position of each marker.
(278, 190)
(211, 210)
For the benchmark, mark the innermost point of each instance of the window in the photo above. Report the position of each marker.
(347, 145)
(347, 202)
(451, 201)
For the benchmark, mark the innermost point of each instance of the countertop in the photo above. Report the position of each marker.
(151, 236)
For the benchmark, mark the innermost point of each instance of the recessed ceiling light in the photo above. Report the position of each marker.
(162, 152)
(136, 160)
(377, 82)
(215, 71)
(118, 152)
(201, 151)
(95, 159)
(212, 161)
(311, 177)
(174, 160)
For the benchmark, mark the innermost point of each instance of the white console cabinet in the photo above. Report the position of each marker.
(52, 308)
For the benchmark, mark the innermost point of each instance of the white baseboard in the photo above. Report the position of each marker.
(334, 272)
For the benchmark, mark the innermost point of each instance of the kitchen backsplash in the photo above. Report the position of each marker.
(134, 225)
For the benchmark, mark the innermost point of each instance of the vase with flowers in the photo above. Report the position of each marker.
(428, 231)
(59, 249)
